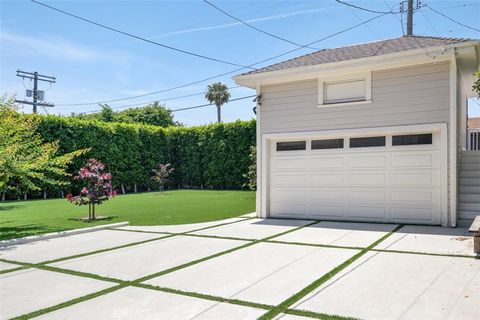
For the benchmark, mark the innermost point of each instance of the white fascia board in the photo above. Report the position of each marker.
(387, 61)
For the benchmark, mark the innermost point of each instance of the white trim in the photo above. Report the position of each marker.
(420, 128)
(453, 138)
(436, 54)
(258, 193)
(341, 104)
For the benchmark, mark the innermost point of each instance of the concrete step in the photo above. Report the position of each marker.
(469, 189)
(470, 182)
(469, 197)
(469, 206)
(467, 215)
(469, 173)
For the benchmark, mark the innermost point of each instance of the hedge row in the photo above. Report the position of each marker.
(211, 156)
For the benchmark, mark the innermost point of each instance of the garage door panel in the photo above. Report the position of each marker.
(289, 163)
(366, 212)
(324, 194)
(362, 161)
(317, 211)
(415, 178)
(415, 196)
(415, 160)
(370, 196)
(327, 179)
(327, 162)
(289, 180)
(293, 195)
(366, 179)
(288, 209)
(412, 214)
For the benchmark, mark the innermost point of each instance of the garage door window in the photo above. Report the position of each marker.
(367, 142)
(327, 144)
(291, 145)
(411, 139)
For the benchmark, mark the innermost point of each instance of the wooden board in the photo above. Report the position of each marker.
(475, 227)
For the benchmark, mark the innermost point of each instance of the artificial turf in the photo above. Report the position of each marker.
(31, 217)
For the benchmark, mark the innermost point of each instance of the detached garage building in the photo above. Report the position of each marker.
(370, 132)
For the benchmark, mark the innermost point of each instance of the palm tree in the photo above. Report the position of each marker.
(217, 93)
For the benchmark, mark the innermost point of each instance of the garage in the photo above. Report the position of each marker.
(380, 176)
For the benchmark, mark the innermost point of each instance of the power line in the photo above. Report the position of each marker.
(364, 9)
(232, 71)
(455, 21)
(253, 27)
(139, 104)
(399, 19)
(193, 107)
(139, 37)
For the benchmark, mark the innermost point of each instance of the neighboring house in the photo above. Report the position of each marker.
(473, 133)
(369, 132)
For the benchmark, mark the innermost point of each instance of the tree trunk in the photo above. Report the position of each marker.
(44, 194)
(89, 211)
(93, 211)
(123, 188)
(25, 196)
(148, 189)
(219, 113)
(63, 194)
(3, 195)
(135, 188)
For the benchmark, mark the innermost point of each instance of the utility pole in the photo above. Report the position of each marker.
(410, 18)
(410, 10)
(37, 95)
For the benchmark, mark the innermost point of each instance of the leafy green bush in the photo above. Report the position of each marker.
(214, 156)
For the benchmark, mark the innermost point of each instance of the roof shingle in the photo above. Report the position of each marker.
(358, 51)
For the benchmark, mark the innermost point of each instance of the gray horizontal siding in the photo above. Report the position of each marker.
(405, 96)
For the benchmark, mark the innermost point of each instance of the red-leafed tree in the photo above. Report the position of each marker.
(98, 189)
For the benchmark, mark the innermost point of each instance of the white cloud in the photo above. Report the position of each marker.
(233, 24)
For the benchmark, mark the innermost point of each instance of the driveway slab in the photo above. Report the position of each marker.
(427, 239)
(383, 285)
(138, 303)
(291, 317)
(29, 290)
(179, 228)
(137, 261)
(254, 228)
(265, 272)
(7, 266)
(44, 250)
(348, 234)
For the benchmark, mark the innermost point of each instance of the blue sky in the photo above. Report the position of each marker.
(92, 64)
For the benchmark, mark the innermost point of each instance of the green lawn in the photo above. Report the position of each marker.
(25, 218)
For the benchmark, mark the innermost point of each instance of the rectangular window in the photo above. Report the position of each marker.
(410, 139)
(367, 142)
(345, 91)
(327, 144)
(291, 145)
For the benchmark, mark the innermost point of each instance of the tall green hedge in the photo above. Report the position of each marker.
(211, 156)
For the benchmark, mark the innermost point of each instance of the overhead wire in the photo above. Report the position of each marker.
(451, 19)
(128, 34)
(255, 28)
(228, 72)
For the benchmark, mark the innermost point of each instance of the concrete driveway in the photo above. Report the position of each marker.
(245, 268)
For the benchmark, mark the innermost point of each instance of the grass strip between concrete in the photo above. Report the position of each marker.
(136, 282)
(285, 305)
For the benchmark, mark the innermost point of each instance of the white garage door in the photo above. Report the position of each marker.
(385, 178)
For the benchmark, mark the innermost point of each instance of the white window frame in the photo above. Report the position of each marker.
(367, 77)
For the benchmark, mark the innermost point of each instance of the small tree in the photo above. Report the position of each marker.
(98, 189)
(161, 175)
